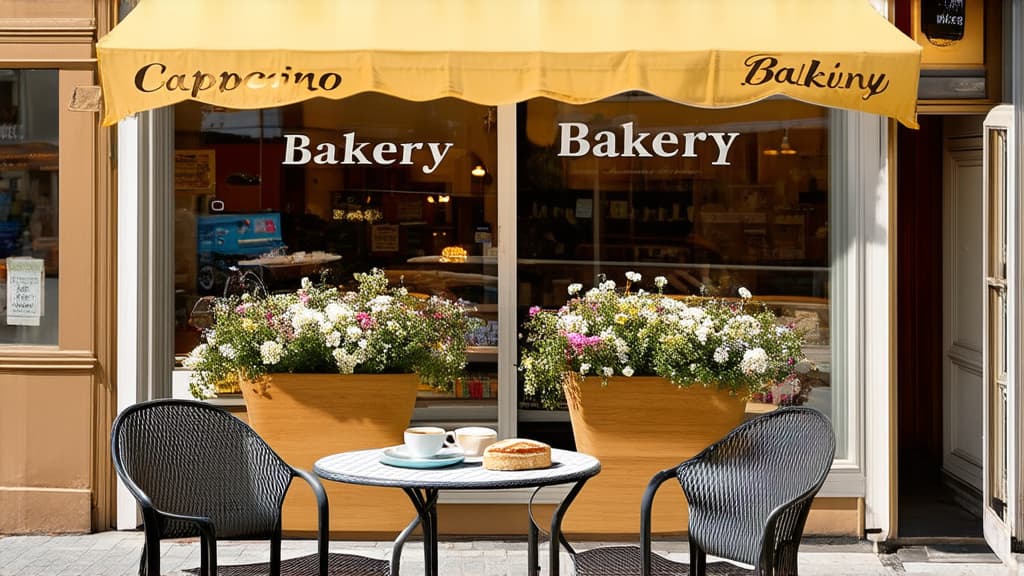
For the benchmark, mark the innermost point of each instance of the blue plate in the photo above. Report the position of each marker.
(399, 456)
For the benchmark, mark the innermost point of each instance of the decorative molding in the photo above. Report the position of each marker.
(52, 360)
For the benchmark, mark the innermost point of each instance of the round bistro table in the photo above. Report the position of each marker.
(363, 467)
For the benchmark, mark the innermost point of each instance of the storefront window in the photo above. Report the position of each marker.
(325, 189)
(713, 200)
(28, 206)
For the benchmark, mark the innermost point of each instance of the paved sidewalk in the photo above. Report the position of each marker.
(117, 554)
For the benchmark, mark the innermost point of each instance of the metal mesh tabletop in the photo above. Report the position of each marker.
(364, 467)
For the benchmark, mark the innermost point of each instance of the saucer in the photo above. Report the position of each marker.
(399, 456)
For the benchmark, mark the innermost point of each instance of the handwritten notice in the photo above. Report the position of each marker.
(24, 291)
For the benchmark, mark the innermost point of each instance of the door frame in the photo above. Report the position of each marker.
(1001, 532)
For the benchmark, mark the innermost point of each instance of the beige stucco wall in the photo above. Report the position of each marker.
(55, 401)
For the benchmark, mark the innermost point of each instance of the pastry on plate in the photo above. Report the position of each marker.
(517, 454)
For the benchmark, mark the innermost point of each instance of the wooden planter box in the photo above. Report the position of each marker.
(305, 417)
(636, 427)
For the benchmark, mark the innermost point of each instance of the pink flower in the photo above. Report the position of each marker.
(242, 308)
(534, 310)
(579, 342)
(365, 320)
(304, 298)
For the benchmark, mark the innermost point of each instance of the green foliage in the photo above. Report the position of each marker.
(734, 344)
(318, 329)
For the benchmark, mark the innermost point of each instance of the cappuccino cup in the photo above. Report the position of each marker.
(471, 440)
(424, 441)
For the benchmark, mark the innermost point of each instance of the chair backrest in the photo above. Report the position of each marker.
(735, 484)
(194, 459)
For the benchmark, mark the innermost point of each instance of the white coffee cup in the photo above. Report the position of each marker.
(471, 439)
(424, 441)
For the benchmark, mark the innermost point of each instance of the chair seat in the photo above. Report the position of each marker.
(625, 561)
(347, 564)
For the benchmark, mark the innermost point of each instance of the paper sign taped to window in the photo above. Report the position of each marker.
(25, 279)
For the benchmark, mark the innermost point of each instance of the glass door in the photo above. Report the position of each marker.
(1000, 327)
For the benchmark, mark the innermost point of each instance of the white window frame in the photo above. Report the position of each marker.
(859, 222)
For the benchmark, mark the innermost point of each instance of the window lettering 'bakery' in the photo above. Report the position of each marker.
(297, 152)
(634, 144)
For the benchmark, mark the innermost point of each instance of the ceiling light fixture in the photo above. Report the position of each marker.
(785, 148)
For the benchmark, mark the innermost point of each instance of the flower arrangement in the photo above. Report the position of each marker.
(319, 329)
(732, 343)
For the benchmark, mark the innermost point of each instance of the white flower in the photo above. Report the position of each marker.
(721, 355)
(270, 352)
(573, 323)
(607, 371)
(744, 293)
(742, 327)
(353, 332)
(195, 357)
(363, 344)
(575, 288)
(227, 351)
(584, 368)
(660, 281)
(336, 312)
(380, 303)
(306, 284)
(346, 362)
(627, 371)
(607, 285)
(633, 276)
(755, 361)
(333, 339)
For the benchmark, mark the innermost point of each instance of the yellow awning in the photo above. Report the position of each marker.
(709, 53)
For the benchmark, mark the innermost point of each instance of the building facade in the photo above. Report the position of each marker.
(504, 206)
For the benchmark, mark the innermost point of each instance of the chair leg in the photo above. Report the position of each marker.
(149, 564)
(698, 560)
(212, 552)
(275, 553)
(204, 557)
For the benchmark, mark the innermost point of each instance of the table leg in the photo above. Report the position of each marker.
(532, 555)
(425, 503)
(557, 540)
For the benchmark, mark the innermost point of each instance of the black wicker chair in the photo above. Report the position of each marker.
(196, 470)
(748, 495)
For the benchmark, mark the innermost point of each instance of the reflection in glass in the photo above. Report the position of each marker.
(325, 189)
(713, 200)
(29, 201)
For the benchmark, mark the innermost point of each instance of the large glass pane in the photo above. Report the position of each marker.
(326, 189)
(713, 200)
(29, 206)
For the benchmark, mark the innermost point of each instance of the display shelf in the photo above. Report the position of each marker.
(482, 354)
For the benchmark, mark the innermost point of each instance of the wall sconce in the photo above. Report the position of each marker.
(430, 199)
(784, 147)
(444, 198)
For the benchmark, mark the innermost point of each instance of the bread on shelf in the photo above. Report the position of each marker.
(517, 454)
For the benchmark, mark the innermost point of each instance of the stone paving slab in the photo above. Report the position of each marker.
(117, 554)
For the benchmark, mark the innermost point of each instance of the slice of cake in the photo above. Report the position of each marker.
(517, 454)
